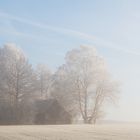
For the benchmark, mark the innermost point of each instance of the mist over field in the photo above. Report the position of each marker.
(69, 70)
(71, 132)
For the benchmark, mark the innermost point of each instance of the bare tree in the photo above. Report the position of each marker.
(43, 84)
(17, 76)
(82, 85)
(85, 80)
(18, 72)
(63, 90)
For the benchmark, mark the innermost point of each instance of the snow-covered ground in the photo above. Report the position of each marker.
(71, 132)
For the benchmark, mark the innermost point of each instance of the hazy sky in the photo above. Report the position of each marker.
(47, 29)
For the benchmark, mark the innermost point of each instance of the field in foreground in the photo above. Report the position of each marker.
(70, 132)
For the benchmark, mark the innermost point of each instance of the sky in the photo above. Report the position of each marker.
(47, 29)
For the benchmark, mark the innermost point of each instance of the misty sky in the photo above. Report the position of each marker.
(47, 29)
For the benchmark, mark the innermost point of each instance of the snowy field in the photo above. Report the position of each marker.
(70, 132)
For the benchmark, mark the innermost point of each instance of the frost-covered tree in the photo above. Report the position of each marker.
(63, 89)
(84, 83)
(16, 73)
(43, 81)
(16, 84)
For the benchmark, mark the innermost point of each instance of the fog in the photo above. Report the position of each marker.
(70, 64)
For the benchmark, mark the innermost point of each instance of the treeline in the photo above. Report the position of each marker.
(82, 85)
